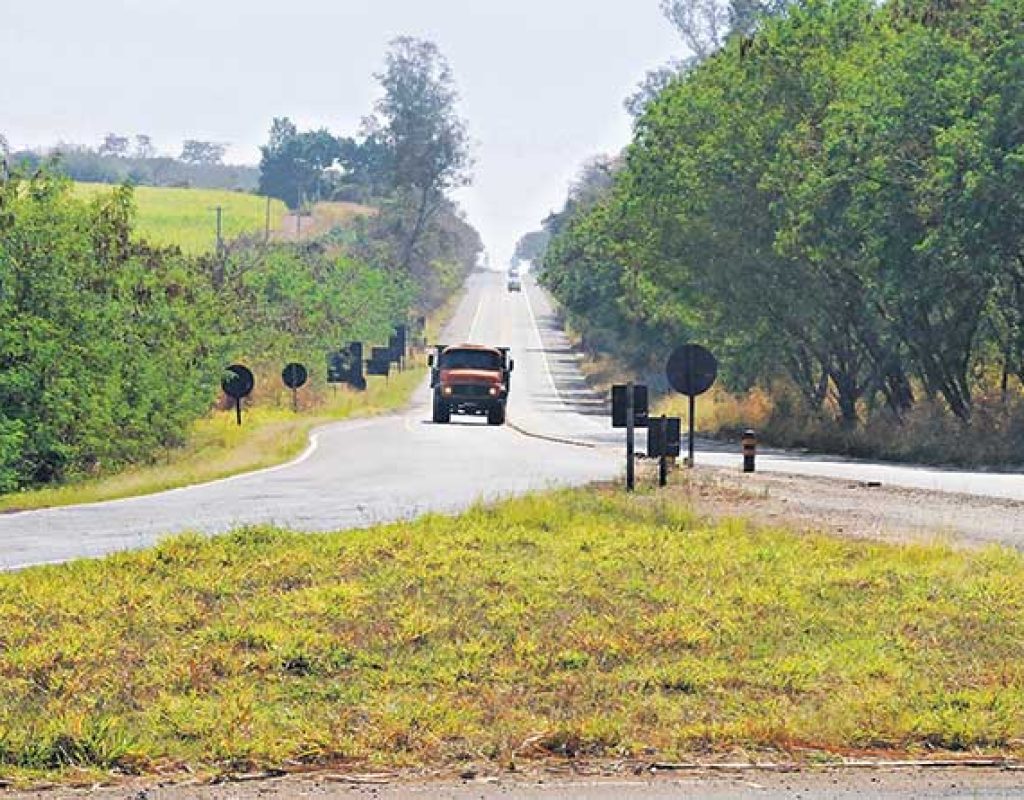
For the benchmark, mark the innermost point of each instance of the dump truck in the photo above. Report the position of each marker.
(470, 379)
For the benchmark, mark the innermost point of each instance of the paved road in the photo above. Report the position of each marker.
(363, 472)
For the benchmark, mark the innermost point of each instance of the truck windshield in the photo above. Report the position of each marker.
(470, 359)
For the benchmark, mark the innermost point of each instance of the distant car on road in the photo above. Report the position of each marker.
(515, 283)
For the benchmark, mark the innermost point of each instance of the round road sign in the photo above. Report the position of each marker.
(238, 383)
(691, 370)
(294, 376)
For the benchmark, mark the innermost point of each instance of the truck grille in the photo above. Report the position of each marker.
(470, 390)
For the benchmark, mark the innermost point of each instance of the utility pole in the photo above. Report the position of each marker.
(220, 238)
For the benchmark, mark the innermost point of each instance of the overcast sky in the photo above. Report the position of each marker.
(542, 81)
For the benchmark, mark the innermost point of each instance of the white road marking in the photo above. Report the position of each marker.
(311, 448)
(476, 317)
(540, 346)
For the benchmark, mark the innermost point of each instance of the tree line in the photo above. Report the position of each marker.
(835, 194)
(134, 159)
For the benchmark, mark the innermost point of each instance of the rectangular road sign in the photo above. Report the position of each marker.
(664, 437)
(639, 406)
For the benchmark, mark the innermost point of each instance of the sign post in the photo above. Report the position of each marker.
(294, 376)
(629, 411)
(663, 443)
(630, 433)
(691, 370)
(238, 383)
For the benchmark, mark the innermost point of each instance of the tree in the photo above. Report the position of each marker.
(419, 126)
(653, 84)
(195, 151)
(144, 146)
(293, 165)
(704, 26)
(114, 145)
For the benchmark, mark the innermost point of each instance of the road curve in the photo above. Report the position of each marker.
(363, 472)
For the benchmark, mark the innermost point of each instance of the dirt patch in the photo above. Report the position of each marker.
(603, 781)
(854, 509)
(319, 220)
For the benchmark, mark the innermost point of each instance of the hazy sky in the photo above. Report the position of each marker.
(542, 81)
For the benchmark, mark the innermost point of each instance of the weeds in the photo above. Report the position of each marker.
(579, 622)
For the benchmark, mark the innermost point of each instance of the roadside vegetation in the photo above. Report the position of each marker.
(186, 218)
(117, 320)
(579, 623)
(216, 447)
(830, 199)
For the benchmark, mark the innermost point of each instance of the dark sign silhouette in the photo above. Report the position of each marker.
(691, 370)
(238, 383)
(294, 375)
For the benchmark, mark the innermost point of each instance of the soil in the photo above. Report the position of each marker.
(854, 509)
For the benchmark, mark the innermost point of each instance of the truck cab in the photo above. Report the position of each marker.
(470, 379)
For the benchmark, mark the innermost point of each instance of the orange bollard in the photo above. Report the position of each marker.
(749, 450)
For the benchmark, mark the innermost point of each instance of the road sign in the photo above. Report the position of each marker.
(238, 382)
(664, 437)
(619, 400)
(356, 379)
(691, 370)
(378, 367)
(338, 367)
(629, 409)
(380, 361)
(663, 443)
(294, 375)
(396, 349)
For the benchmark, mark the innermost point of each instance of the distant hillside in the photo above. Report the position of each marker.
(187, 217)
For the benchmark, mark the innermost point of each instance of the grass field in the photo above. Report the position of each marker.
(218, 447)
(580, 623)
(186, 217)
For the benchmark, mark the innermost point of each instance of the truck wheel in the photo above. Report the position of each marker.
(442, 412)
(496, 415)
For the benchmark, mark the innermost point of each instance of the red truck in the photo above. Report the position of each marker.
(470, 379)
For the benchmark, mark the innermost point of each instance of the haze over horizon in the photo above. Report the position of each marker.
(541, 84)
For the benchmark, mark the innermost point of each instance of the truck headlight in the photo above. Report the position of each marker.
(493, 391)
(447, 390)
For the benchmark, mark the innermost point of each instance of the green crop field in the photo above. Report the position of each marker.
(186, 217)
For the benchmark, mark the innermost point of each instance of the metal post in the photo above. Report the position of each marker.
(630, 431)
(663, 459)
(693, 410)
(220, 240)
(238, 410)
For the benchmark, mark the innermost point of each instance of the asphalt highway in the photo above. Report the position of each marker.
(363, 472)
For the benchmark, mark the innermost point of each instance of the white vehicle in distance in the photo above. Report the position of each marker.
(515, 284)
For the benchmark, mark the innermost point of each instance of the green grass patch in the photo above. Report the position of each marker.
(186, 217)
(574, 623)
(218, 448)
